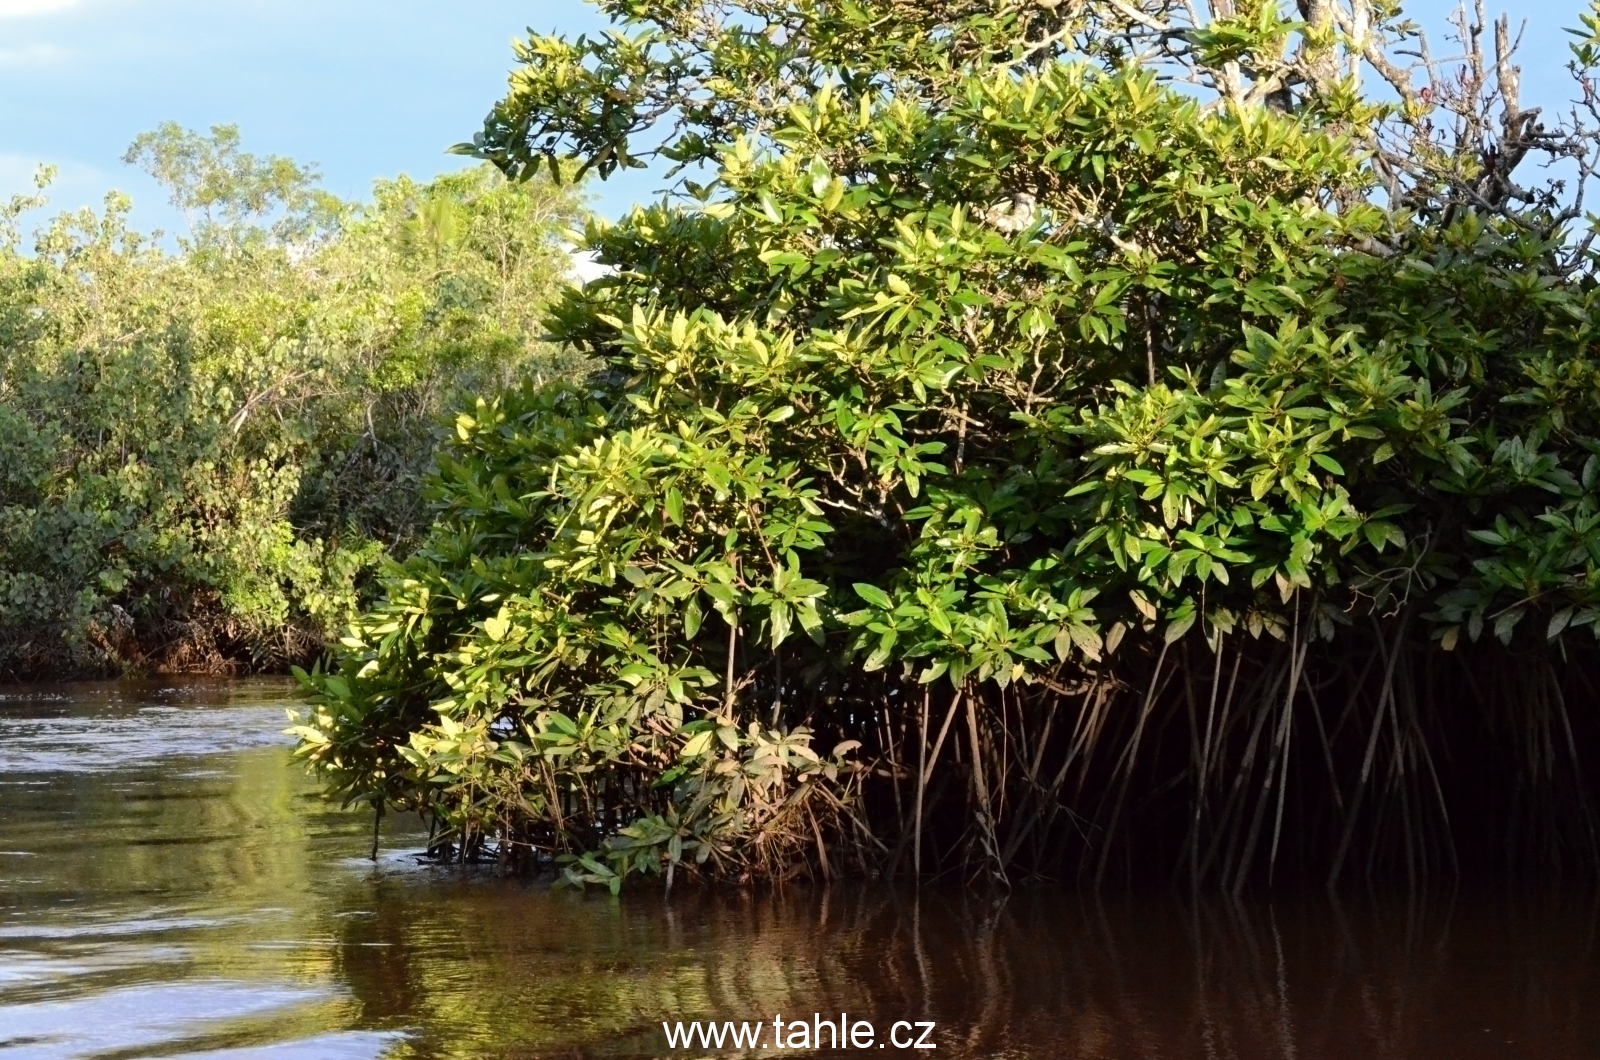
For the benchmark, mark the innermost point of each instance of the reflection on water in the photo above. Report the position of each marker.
(169, 886)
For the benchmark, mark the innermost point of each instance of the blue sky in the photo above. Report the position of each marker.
(364, 88)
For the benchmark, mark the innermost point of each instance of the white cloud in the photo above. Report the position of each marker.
(16, 172)
(32, 55)
(17, 8)
(76, 184)
(586, 268)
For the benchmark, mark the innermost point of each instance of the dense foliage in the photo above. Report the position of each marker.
(207, 448)
(1008, 460)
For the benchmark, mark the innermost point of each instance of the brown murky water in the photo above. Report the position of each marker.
(170, 887)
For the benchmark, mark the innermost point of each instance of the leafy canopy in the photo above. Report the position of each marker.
(970, 355)
(205, 453)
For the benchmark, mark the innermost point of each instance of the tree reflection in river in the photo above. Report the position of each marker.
(489, 968)
(169, 886)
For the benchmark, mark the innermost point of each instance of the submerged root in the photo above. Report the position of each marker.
(205, 640)
(1256, 762)
(1224, 763)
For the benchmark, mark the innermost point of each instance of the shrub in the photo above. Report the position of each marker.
(1009, 455)
(206, 451)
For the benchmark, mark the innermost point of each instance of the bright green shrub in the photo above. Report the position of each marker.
(1008, 399)
(204, 454)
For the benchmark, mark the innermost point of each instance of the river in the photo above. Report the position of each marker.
(171, 886)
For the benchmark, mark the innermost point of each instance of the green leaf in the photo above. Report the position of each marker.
(873, 595)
